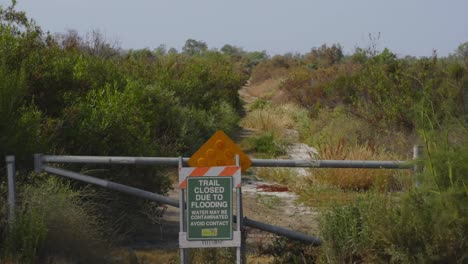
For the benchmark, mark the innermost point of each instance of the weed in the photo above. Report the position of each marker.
(319, 194)
(279, 175)
(269, 201)
(27, 235)
(212, 255)
(266, 145)
(418, 227)
(53, 223)
(259, 104)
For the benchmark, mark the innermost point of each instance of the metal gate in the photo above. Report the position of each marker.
(42, 163)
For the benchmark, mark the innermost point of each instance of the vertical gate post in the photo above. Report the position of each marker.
(240, 251)
(243, 233)
(182, 224)
(11, 174)
(38, 163)
(417, 168)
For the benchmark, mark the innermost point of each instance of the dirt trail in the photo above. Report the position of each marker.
(263, 201)
(275, 205)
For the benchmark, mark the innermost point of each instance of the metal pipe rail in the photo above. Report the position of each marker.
(255, 162)
(40, 160)
(169, 201)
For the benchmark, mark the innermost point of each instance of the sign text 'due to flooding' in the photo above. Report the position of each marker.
(209, 212)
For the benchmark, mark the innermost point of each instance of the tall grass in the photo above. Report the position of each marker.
(419, 227)
(329, 127)
(53, 223)
(275, 127)
(428, 224)
(360, 179)
(271, 118)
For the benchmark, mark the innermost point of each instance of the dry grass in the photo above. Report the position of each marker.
(359, 179)
(266, 89)
(330, 126)
(274, 119)
(260, 259)
(278, 175)
(311, 192)
(323, 187)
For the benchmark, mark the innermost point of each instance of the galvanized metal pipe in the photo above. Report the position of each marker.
(169, 201)
(369, 164)
(282, 232)
(255, 162)
(11, 174)
(113, 160)
(113, 186)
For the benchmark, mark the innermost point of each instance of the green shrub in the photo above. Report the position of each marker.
(446, 155)
(267, 145)
(274, 68)
(420, 227)
(260, 104)
(20, 124)
(333, 126)
(317, 88)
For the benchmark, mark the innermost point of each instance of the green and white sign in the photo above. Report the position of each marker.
(209, 208)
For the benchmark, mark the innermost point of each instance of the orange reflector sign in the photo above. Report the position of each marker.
(219, 150)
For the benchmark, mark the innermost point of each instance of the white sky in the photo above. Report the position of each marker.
(407, 27)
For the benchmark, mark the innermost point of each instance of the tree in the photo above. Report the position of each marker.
(193, 47)
(161, 50)
(232, 50)
(172, 51)
(326, 56)
(462, 53)
(255, 57)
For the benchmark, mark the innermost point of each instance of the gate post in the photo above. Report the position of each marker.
(417, 168)
(240, 251)
(11, 173)
(184, 258)
(38, 163)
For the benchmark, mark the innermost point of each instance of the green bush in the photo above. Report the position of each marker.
(421, 227)
(260, 104)
(76, 99)
(267, 145)
(63, 94)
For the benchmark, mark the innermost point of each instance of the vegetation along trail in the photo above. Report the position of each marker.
(264, 198)
(72, 94)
